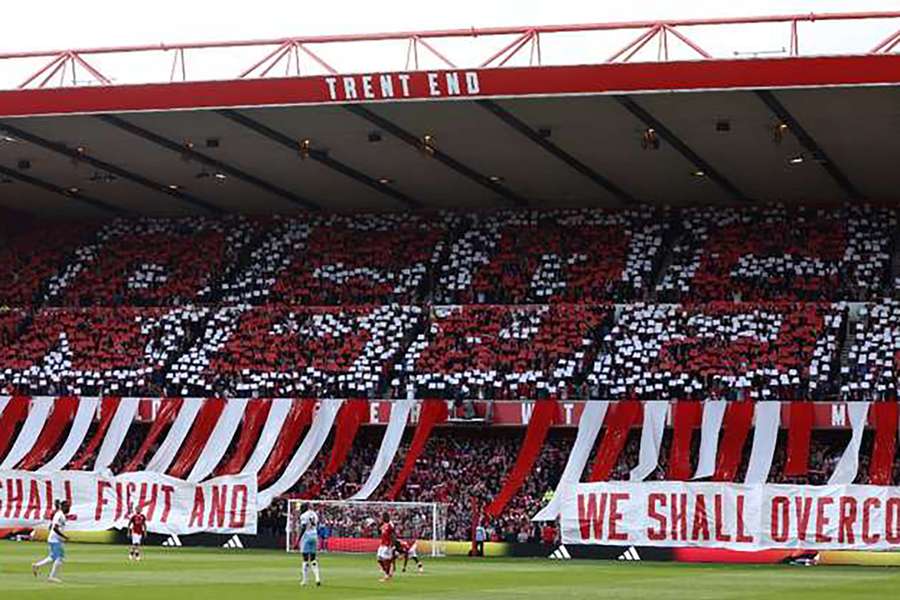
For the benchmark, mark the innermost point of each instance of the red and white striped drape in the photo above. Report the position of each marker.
(280, 438)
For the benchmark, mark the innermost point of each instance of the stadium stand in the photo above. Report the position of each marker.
(730, 350)
(152, 262)
(30, 256)
(515, 304)
(337, 260)
(501, 352)
(286, 351)
(872, 370)
(779, 253)
(458, 466)
(483, 313)
(529, 257)
(93, 351)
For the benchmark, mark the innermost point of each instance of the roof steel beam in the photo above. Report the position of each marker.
(682, 148)
(583, 169)
(67, 192)
(216, 164)
(469, 32)
(887, 44)
(80, 156)
(809, 143)
(319, 156)
(275, 50)
(437, 154)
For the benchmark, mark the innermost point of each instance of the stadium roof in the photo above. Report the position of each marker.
(700, 131)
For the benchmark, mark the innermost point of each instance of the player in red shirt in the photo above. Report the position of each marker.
(408, 551)
(137, 528)
(386, 548)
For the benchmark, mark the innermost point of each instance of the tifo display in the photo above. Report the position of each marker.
(360, 383)
(117, 358)
(304, 320)
(510, 305)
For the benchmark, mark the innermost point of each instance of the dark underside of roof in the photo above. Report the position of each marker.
(805, 146)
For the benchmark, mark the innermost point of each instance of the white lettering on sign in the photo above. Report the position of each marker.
(331, 82)
(387, 86)
(349, 88)
(527, 409)
(731, 516)
(404, 85)
(453, 84)
(433, 88)
(472, 85)
(368, 90)
(838, 415)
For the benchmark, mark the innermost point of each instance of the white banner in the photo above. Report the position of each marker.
(219, 440)
(710, 426)
(732, 516)
(588, 429)
(389, 445)
(87, 408)
(651, 439)
(179, 430)
(172, 506)
(278, 412)
(847, 467)
(307, 452)
(765, 438)
(116, 432)
(38, 413)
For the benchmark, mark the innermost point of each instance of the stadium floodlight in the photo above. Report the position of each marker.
(353, 526)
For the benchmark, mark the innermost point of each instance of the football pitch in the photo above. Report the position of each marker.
(95, 572)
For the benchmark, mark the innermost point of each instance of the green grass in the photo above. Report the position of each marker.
(97, 572)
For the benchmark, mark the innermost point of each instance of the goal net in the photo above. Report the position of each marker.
(355, 526)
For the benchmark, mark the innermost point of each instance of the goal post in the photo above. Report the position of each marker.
(354, 526)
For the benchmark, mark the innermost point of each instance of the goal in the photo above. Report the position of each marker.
(354, 526)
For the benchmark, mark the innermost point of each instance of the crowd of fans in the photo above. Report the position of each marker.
(766, 351)
(293, 351)
(95, 351)
(152, 262)
(338, 260)
(491, 352)
(872, 370)
(31, 256)
(769, 351)
(508, 257)
(779, 253)
(531, 257)
(721, 350)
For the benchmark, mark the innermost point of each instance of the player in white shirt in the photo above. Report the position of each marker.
(309, 541)
(55, 540)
